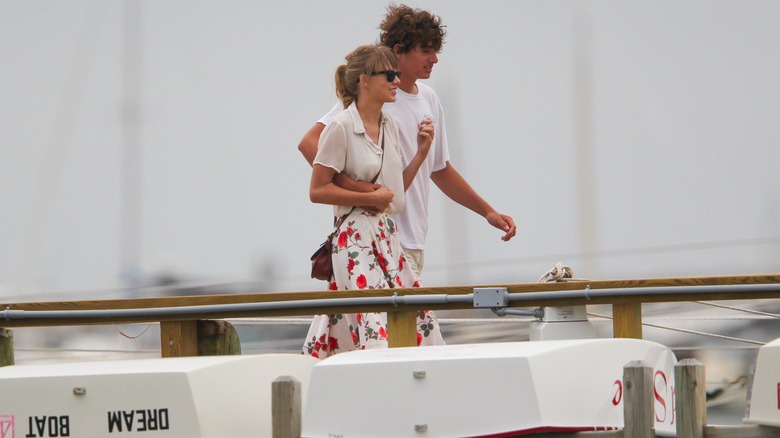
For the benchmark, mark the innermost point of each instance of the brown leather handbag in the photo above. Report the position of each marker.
(321, 260)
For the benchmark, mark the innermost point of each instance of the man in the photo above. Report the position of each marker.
(416, 37)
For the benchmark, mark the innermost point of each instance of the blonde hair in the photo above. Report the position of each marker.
(364, 60)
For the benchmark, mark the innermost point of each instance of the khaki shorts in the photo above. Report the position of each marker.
(415, 258)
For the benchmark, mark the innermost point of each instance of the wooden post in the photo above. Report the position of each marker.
(627, 320)
(286, 407)
(402, 329)
(178, 338)
(638, 415)
(217, 338)
(690, 398)
(6, 347)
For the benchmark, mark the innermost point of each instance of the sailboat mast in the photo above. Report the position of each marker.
(584, 151)
(130, 113)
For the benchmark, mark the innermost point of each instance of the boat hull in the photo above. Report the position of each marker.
(481, 390)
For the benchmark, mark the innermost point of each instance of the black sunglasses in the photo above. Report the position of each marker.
(390, 75)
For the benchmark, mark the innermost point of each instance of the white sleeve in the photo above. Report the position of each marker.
(441, 153)
(332, 147)
(327, 118)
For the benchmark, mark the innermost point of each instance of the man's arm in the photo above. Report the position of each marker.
(308, 148)
(452, 184)
(308, 144)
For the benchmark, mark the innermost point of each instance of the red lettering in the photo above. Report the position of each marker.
(778, 396)
(660, 377)
(7, 426)
(619, 392)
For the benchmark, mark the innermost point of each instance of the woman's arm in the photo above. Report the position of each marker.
(322, 190)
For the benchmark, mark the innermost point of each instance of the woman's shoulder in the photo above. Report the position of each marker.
(341, 121)
(342, 117)
(348, 117)
(389, 122)
(388, 119)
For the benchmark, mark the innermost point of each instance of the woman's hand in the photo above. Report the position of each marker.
(371, 208)
(425, 133)
(382, 197)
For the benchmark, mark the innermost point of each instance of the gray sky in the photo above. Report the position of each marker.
(627, 139)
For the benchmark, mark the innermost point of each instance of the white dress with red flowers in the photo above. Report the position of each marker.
(367, 255)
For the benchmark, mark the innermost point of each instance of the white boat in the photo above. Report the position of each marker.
(498, 389)
(480, 390)
(213, 396)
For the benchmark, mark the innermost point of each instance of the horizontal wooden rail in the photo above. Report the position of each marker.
(204, 300)
(178, 330)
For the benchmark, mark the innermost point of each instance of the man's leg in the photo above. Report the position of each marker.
(415, 258)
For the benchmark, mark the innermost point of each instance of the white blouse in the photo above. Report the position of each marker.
(344, 146)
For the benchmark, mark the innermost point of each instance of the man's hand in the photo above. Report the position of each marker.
(503, 223)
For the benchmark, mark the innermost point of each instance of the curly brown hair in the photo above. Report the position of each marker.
(409, 27)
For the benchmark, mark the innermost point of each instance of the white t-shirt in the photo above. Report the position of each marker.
(408, 111)
(344, 146)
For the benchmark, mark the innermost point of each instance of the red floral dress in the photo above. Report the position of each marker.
(367, 255)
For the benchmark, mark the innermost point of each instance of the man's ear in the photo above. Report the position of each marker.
(398, 49)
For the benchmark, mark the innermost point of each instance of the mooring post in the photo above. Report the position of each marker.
(217, 338)
(690, 398)
(638, 414)
(286, 407)
(6, 347)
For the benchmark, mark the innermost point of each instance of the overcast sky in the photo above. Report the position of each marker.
(627, 139)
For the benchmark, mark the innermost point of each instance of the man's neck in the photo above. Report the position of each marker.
(408, 87)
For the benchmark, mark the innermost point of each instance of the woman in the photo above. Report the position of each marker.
(363, 143)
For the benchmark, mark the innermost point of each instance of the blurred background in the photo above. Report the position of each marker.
(150, 148)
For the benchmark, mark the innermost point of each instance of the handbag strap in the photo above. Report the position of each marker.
(381, 163)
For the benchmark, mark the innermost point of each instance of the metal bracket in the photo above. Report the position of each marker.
(490, 297)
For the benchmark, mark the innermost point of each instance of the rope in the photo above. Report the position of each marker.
(708, 318)
(559, 273)
(694, 332)
(723, 306)
(132, 338)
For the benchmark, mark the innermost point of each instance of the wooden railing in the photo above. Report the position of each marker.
(178, 333)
